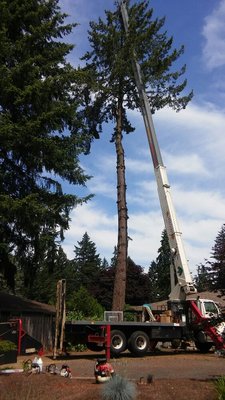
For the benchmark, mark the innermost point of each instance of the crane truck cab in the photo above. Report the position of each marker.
(208, 308)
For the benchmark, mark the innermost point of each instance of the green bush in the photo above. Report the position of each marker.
(84, 306)
(76, 347)
(220, 388)
(7, 345)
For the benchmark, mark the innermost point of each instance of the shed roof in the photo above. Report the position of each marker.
(9, 302)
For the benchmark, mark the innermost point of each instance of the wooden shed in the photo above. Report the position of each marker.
(37, 318)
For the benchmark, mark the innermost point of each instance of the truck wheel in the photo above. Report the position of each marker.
(175, 343)
(118, 342)
(203, 347)
(139, 343)
(201, 342)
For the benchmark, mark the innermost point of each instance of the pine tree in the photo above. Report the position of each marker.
(110, 65)
(217, 265)
(88, 265)
(159, 271)
(203, 278)
(41, 134)
(51, 271)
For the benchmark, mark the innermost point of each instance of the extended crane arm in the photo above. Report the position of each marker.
(181, 280)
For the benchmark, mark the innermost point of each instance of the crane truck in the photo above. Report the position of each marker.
(186, 316)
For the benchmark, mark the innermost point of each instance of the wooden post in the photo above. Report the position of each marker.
(56, 321)
(63, 312)
(108, 341)
(60, 316)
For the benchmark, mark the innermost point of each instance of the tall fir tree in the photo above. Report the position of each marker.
(88, 265)
(217, 262)
(109, 63)
(159, 272)
(51, 271)
(203, 279)
(41, 136)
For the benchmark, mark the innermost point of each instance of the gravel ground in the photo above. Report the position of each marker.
(175, 375)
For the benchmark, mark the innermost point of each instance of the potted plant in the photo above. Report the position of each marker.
(8, 352)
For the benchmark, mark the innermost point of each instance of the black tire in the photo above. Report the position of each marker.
(118, 342)
(203, 347)
(175, 343)
(201, 342)
(139, 343)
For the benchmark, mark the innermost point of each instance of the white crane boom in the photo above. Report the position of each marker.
(181, 280)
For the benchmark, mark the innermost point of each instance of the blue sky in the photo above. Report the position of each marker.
(192, 143)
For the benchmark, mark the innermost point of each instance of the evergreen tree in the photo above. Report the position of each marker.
(113, 261)
(88, 265)
(217, 265)
(40, 134)
(203, 279)
(159, 272)
(137, 288)
(110, 65)
(104, 290)
(104, 264)
(45, 285)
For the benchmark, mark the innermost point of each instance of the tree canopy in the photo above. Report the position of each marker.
(213, 270)
(159, 271)
(40, 133)
(87, 264)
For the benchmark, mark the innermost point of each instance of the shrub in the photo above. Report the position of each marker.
(220, 388)
(119, 388)
(85, 306)
(7, 345)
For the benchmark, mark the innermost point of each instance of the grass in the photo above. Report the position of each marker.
(220, 388)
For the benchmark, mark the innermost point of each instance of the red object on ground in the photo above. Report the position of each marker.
(41, 352)
(103, 370)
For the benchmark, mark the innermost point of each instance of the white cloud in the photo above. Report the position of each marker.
(185, 164)
(145, 229)
(197, 130)
(100, 226)
(100, 185)
(199, 237)
(198, 203)
(137, 166)
(201, 117)
(199, 124)
(214, 34)
(142, 194)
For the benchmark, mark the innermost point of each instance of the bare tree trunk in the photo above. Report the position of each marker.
(119, 291)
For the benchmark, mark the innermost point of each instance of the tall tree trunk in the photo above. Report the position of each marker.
(119, 291)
